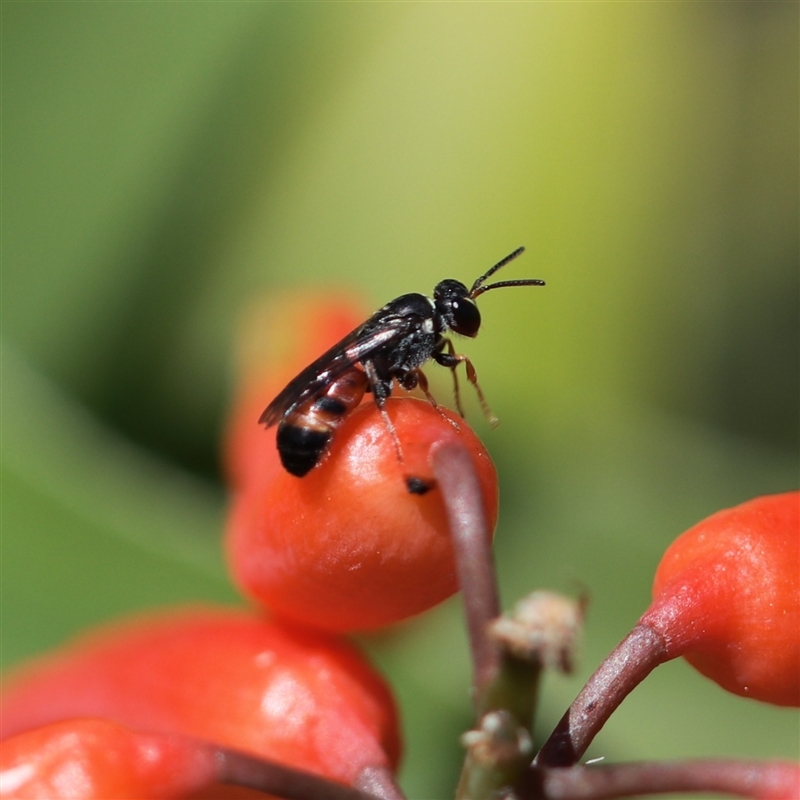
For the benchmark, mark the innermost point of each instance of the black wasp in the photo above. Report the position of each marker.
(391, 345)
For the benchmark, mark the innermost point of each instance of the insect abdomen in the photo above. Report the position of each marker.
(305, 433)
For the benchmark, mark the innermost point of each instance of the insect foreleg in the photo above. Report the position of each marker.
(452, 359)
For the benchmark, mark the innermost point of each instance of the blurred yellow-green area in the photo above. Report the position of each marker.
(166, 163)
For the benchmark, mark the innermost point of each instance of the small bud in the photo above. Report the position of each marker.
(499, 741)
(544, 627)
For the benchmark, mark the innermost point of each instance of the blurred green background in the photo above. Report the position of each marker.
(163, 163)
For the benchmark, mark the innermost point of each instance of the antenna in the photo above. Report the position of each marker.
(478, 288)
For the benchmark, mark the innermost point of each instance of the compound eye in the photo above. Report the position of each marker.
(466, 317)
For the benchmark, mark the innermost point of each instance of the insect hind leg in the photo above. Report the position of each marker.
(451, 359)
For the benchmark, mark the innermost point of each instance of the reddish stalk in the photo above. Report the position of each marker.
(379, 782)
(293, 784)
(771, 780)
(504, 687)
(458, 482)
(634, 658)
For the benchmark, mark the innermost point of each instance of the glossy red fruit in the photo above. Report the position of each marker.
(303, 699)
(727, 598)
(347, 547)
(95, 759)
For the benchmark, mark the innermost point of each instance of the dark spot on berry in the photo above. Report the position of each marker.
(418, 485)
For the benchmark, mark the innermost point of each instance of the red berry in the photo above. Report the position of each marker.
(727, 597)
(303, 699)
(347, 547)
(94, 759)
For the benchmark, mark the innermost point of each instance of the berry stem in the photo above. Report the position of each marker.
(287, 782)
(379, 782)
(504, 687)
(769, 780)
(461, 490)
(634, 658)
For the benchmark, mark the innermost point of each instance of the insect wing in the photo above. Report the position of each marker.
(355, 347)
(312, 379)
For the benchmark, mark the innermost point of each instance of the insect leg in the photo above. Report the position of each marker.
(380, 391)
(422, 381)
(452, 359)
